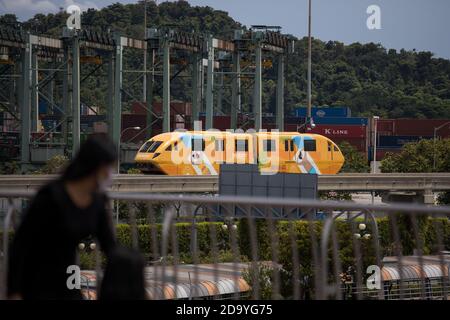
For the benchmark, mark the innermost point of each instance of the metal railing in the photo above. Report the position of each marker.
(217, 247)
(355, 182)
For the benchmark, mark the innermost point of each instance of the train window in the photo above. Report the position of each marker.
(219, 145)
(336, 148)
(310, 145)
(329, 147)
(146, 146)
(198, 144)
(241, 145)
(288, 145)
(175, 146)
(169, 148)
(269, 145)
(154, 146)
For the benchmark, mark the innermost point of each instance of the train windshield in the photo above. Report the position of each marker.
(146, 146)
(154, 146)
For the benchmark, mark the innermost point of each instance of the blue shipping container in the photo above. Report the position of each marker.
(343, 121)
(43, 107)
(398, 141)
(323, 112)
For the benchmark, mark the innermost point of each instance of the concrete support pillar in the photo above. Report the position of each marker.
(149, 90)
(75, 94)
(25, 103)
(257, 96)
(166, 86)
(428, 197)
(117, 109)
(34, 92)
(280, 93)
(110, 96)
(235, 90)
(196, 86)
(210, 86)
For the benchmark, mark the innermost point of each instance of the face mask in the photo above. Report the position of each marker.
(107, 182)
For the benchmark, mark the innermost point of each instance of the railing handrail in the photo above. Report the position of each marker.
(273, 201)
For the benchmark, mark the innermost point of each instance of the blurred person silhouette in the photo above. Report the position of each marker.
(124, 276)
(62, 213)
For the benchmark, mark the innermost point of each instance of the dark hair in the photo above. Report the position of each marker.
(124, 276)
(95, 152)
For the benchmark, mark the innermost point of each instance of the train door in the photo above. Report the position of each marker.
(306, 147)
(241, 147)
(330, 150)
(268, 156)
(218, 152)
(330, 155)
(197, 154)
(289, 154)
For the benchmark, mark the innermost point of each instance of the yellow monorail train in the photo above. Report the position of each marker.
(202, 152)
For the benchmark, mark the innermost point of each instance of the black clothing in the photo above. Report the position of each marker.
(46, 241)
(124, 276)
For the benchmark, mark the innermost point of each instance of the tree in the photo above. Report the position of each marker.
(423, 156)
(354, 160)
(53, 165)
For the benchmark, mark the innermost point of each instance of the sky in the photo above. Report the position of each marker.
(409, 24)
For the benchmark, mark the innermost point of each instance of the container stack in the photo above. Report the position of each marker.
(337, 124)
(393, 134)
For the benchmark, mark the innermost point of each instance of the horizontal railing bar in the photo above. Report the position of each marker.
(356, 182)
(259, 201)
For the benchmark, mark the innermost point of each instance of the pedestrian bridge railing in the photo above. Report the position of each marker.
(221, 247)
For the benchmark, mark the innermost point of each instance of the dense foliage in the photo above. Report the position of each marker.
(423, 156)
(355, 162)
(367, 77)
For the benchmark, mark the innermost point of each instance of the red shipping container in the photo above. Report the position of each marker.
(176, 107)
(385, 127)
(291, 127)
(421, 127)
(221, 123)
(128, 133)
(359, 143)
(345, 131)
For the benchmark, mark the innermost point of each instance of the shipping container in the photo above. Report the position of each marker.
(359, 144)
(130, 121)
(398, 141)
(421, 127)
(288, 127)
(221, 123)
(346, 131)
(43, 107)
(176, 107)
(294, 120)
(385, 127)
(343, 121)
(324, 112)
